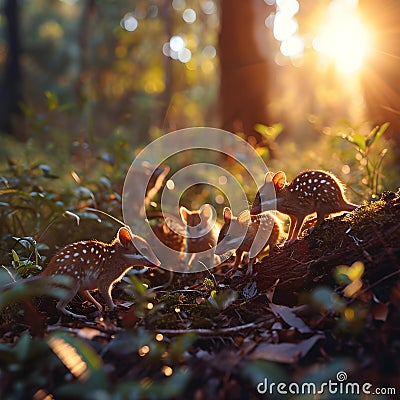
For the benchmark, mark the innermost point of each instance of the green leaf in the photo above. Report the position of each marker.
(326, 298)
(376, 133)
(52, 100)
(56, 286)
(223, 299)
(15, 257)
(23, 346)
(359, 140)
(269, 132)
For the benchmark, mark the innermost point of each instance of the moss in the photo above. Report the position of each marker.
(194, 306)
(364, 215)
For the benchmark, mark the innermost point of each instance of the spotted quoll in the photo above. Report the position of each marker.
(95, 265)
(310, 191)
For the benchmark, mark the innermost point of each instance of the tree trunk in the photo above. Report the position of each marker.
(10, 85)
(244, 65)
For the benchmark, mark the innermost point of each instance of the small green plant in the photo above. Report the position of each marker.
(370, 162)
(344, 304)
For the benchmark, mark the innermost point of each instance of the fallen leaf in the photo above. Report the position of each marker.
(379, 310)
(288, 315)
(288, 353)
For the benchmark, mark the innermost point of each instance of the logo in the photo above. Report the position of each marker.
(200, 157)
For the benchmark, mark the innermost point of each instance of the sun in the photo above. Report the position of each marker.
(343, 38)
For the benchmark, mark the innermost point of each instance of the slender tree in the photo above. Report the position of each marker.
(244, 65)
(10, 84)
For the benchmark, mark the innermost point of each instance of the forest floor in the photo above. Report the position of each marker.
(299, 318)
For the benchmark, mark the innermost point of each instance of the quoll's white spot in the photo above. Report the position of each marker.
(313, 172)
(92, 250)
(291, 189)
(76, 254)
(97, 251)
(112, 251)
(84, 251)
(305, 175)
(310, 181)
(323, 181)
(315, 180)
(314, 188)
(66, 256)
(82, 259)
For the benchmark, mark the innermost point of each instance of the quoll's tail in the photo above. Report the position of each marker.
(349, 206)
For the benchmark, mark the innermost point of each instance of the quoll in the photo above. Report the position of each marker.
(95, 265)
(239, 233)
(310, 191)
(201, 233)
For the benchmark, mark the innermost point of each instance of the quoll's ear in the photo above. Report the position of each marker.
(279, 180)
(206, 211)
(268, 177)
(184, 214)
(124, 236)
(227, 214)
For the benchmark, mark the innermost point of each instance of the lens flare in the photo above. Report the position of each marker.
(343, 37)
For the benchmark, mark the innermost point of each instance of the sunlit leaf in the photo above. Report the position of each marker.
(269, 132)
(80, 358)
(359, 140)
(222, 299)
(52, 100)
(376, 133)
(353, 272)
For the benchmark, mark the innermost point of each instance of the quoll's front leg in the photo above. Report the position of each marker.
(250, 266)
(105, 291)
(294, 229)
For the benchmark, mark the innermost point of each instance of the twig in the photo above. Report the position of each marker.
(211, 332)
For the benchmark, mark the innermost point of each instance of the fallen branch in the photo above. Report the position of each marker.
(212, 332)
